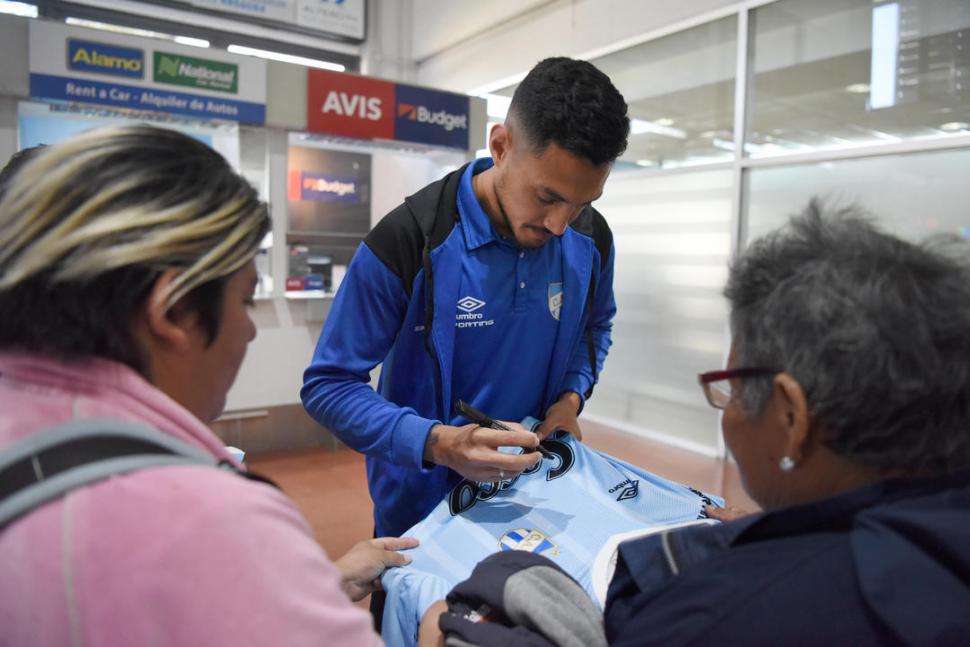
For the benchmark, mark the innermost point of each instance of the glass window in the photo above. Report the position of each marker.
(673, 239)
(838, 73)
(680, 89)
(914, 195)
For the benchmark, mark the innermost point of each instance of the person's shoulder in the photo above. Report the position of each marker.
(425, 219)
(225, 555)
(592, 224)
(742, 594)
(206, 496)
(418, 214)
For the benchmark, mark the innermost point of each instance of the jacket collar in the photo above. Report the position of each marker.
(476, 226)
(838, 512)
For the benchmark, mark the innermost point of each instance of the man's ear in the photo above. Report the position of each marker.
(168, 326)
(499, 143)
(792, 410)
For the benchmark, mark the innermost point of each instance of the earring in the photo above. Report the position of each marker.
(786, 464)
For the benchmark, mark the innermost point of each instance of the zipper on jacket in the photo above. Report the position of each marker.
(668, 549)
(429, 323)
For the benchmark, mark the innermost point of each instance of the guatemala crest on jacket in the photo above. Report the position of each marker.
(526, 539)
(555, 299)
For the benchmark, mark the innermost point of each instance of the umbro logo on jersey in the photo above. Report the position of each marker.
(628, 489)
(470, 304)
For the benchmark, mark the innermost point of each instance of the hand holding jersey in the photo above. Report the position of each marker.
(361, 566)
(562, 415)
(473, 451)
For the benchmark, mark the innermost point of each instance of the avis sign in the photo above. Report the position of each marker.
(349, 105)
(366, 108)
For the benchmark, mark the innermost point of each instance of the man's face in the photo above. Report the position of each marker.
(539, 194)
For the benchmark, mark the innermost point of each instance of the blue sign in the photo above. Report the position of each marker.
(431, 117)
(102, 58)
(48, 86)
(325, 187)
(313, 282)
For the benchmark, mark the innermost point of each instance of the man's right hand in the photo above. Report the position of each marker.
(472, 451)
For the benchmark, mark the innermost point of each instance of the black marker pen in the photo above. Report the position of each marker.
(483, 420)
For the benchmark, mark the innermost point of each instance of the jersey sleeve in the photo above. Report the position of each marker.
(410, 593)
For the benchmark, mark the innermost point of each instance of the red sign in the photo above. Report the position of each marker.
(349, 105)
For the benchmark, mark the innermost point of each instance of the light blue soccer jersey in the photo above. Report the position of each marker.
(565, 508)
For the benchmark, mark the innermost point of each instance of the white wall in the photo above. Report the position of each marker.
(490, 51)
(439, 25)
(387, 52)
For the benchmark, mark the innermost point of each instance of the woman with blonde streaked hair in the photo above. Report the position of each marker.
(126, 275)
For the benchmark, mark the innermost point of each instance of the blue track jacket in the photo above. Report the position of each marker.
(396, 305)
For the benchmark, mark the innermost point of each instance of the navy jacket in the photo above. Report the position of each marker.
(883, 565)
(396, 306)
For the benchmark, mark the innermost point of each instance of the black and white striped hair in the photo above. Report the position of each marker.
(88, 225)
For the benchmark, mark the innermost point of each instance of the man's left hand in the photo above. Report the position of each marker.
(361, 568)
(562, 416)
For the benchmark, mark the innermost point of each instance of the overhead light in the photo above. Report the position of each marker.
(664, 121)
(19, 9)
(723, 144)
(640, 126)
(286, 58)
(134, 31)
(885, 56)
(118, 29)
(644, 163)
(857, 88)
(192, 42)
(953, 126)
(885, 136)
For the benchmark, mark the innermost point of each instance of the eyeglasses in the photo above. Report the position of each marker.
(717, 384)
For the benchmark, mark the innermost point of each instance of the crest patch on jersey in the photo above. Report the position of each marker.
(527, 539)
(555, 299)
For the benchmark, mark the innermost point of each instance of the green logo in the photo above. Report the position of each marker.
(176, 69)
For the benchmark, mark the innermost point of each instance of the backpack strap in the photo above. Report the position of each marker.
(592, 223)
(48, 464)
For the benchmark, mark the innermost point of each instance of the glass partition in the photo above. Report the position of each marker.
(914, 195)
(836, 74)
(680, 89)
(673, 239)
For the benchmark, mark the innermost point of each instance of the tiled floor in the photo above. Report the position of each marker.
(330, 487)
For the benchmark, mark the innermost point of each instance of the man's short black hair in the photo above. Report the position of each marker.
(574, 105)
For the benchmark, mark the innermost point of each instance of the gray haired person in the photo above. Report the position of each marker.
(846, 403)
